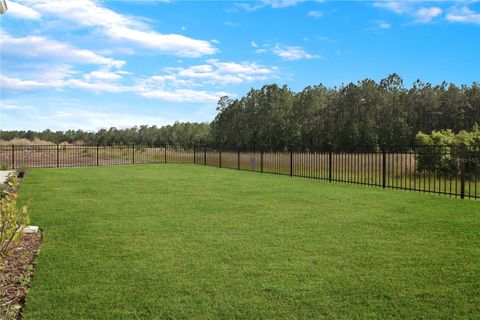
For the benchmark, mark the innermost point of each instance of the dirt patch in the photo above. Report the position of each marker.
(16, 274)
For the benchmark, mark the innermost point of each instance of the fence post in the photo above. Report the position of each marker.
(58, 155)
(204, 156)
(291, 163)
(194, 155)
(13, 156)
(133, 153)
(238, 159)
(165, 154)
(462, 171)
(261, 161)
(384, 166)
(330, 164)
(97, 154)
(220, 156)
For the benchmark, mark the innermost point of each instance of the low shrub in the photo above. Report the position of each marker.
(22, 170)
(444, 151)
(12, 219)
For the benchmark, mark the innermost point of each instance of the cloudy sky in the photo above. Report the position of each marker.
(95, 64)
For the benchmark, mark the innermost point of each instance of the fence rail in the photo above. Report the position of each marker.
(433, 170)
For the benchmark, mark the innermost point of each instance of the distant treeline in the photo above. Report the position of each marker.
(357, 116)
(184, 134)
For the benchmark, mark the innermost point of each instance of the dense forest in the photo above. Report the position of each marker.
(364, 115)
(357, 116)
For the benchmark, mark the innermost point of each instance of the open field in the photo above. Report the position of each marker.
(52, 156)
(185, 241)
(360, 168)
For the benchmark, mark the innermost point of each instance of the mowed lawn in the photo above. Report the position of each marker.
(193, 242)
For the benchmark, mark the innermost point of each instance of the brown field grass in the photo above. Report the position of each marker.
(25, 142)
(37, 142)
(361, 168)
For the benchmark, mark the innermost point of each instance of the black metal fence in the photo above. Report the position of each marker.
(441, 170)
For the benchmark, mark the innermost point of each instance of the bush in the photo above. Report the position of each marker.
(22, 170)
(12, 220)
(441, 151)
(434, 152)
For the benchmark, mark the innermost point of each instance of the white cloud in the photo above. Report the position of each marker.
(255, 5)
(84, 12)
(9, 107)
(463, 15)
(167, 43)
(384, 25)
(122, 28)
(292, 53)
(103, 75)
(245, 68)
(19, 84)
(41, 47)
(164, 81)
(254, 44)
(212, 73)
(15, 107)
(315, 14)
(249, 6)
(38, 77)
(215, 72)
(380, 25)
(425, 15)
(184, 95)
(412, 9)
(20, 11)
(46, 72)
(97, 86)
(281, 3)
(61, 77)
(232, 24)
(177, 83)
(399, 7)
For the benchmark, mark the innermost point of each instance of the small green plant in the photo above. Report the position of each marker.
(12, 220)
(4, 166)
(22, 169)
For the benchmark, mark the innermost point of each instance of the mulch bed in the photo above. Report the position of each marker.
(16, 274)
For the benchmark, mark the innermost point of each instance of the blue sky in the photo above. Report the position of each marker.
(97, 64)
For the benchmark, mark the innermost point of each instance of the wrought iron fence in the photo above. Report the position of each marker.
(442, 170)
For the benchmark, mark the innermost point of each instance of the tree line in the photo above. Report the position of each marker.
(180, 133)
(357, 116)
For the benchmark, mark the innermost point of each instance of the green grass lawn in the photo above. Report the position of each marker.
(185, 241)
